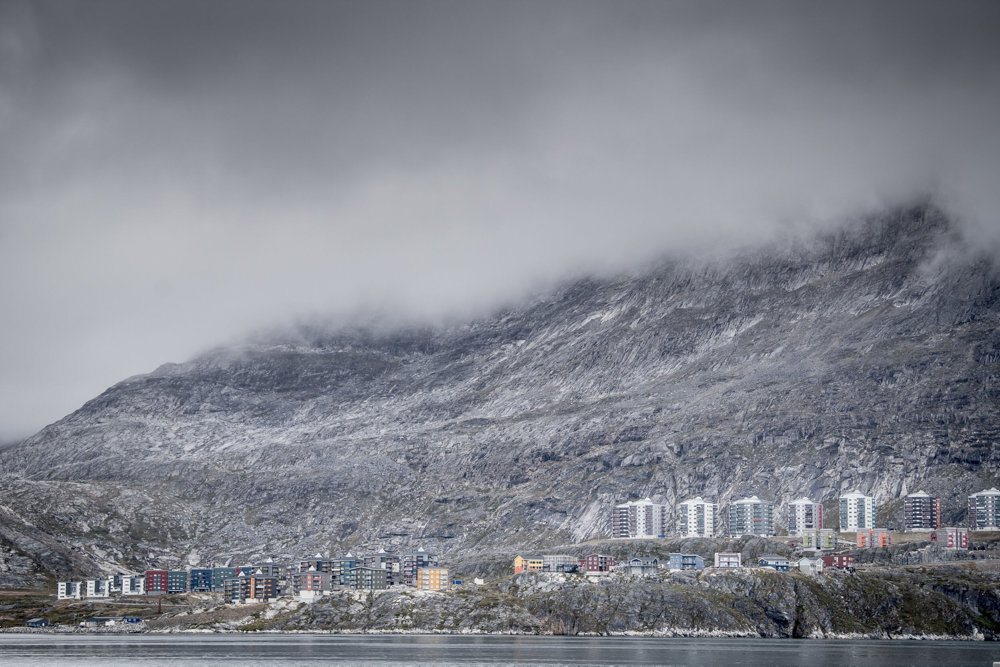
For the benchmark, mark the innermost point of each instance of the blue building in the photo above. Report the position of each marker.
(774, 561)
(686, 562)
(201, 581)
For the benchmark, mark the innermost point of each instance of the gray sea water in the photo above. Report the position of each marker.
(299, 649)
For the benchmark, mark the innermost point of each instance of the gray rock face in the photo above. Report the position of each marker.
(866, 360)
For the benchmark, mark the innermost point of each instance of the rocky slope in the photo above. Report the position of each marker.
(866, 359)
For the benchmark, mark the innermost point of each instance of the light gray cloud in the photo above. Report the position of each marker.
(175, 174)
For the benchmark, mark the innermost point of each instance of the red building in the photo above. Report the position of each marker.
(156, 582)
(841, 562)
(597, 563)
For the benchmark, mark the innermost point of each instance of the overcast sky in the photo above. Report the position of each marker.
(176, 174)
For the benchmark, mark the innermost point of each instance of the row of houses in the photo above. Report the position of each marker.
(698, 517)
(676, 562)
(308, 579)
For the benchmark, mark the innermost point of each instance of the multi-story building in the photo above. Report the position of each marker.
(840, 562)
(528, 564)
(697, 518)
(277, 570)
(820, 540)
(560, 563)
(367, 579)
(391, 563)
(984, 510)
(200, 580)
(803, 516)
(642, 518)
(728, 559)
(751, 516)
(156, 582)
(133, 584)
(873, 538)
(97, 588)
(411, 562)
(177, 581)
(250, 588)
(432, 578)
(951, 538)
(311, 584)
(69, 590)
(596, 564)
(921, 512)
(219, 576)
(686, 562)
(857, 512)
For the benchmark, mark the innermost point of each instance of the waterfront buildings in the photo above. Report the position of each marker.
(250, 588)
(697, 518)
(311, 584)
(803, 516)
(984, 510)
(857, 512)
(751, 516)
(642, 518)
(921, 512)
(413, 561)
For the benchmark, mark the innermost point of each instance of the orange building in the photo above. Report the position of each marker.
(528, 563)
(432, 578)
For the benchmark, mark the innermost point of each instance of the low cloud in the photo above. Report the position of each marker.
(177, 174)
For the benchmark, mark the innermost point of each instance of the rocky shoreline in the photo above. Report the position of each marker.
(940, 602)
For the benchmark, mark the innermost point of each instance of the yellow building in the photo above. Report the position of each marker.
(432, 578)
(528, 563)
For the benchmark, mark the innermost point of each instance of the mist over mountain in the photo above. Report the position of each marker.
(864, 358)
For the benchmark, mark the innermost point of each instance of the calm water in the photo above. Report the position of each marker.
(458, 650)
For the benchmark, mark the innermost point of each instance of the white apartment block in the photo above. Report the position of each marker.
(641, 518)
(697, 518)
(804, 516)
(69, 590)
(857, 512)
(984, 510)
(751, 516)
(133, 584)
(98, 588)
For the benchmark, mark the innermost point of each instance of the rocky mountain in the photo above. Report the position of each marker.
(867, 358)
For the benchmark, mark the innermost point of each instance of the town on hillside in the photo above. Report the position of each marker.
(821, 548)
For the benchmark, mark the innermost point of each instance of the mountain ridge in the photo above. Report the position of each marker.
(867, 358)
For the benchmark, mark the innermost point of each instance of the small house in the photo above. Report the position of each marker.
(775, 562)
